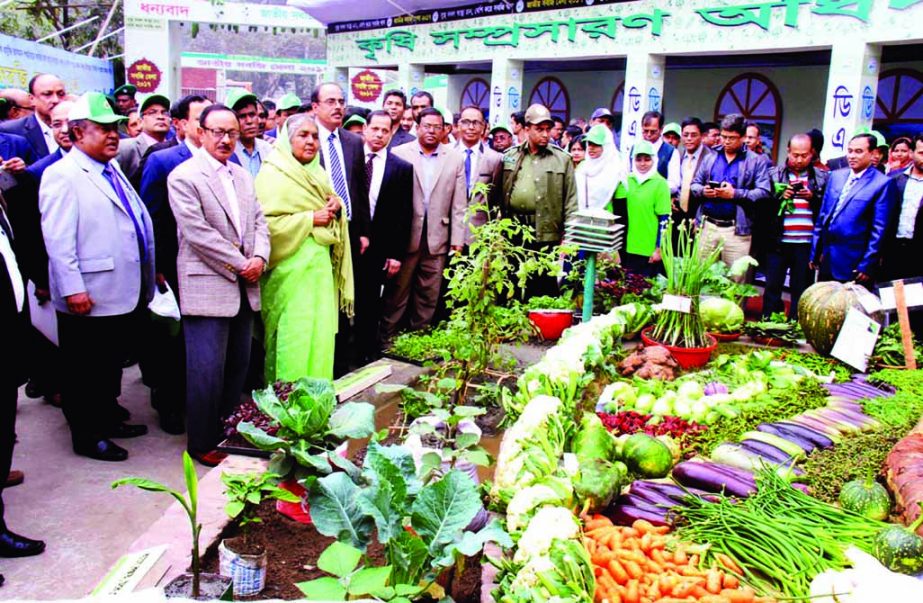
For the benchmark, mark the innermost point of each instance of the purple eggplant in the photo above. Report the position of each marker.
(652, 495)
(714, 477)
(626, 515)
(671, 490)
(635, 500)
(838, 402)
(775, 430)
(817, 425)
(802, 487)
(767, 451)
(860, 420)
(819, 439)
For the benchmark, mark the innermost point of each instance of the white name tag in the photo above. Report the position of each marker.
(913, 295)
(677, 303)
(856, 340)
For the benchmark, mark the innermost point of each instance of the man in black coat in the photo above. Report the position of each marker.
(46, 91)
(390, 184)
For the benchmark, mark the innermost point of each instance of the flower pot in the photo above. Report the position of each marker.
(774, 342)
(551, 323)
(212, 587)
(688, 358)
(247, 571)
(725, 336)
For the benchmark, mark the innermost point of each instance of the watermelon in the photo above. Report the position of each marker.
(647, 455)
(822, 310)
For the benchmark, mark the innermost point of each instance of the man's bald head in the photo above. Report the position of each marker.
(800, 152)
(19, 101)
(46, 91)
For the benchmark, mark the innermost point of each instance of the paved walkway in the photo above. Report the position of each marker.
(66, 499)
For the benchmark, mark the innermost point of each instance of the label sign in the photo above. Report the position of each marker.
(128, 571)
(144, 75)
(856, 340)
(677, 303)
(366, 86)
(913, 294)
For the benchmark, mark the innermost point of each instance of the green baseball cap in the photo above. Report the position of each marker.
(597, 135)
(237, 96)
(155, 99)
(643, 147)
(672, 127)
(354, 119)
(879, 138)
(288, 102)
(500, 129)
(94, 107)
(125, 89)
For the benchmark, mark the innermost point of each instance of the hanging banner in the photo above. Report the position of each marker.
(20, 60)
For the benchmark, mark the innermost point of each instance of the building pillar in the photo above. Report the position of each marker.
(158, 47)
(338, 75)
(410, 78)
(852, 87)
(506, 95)
(643, 92)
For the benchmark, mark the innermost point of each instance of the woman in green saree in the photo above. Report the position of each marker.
(310, 275)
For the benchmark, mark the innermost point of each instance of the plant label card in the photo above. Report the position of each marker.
(913, 294)
(856, 340)
(677, 303)
(869, 300)
(128, 571)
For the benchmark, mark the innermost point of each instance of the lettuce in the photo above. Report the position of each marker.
(721, 315)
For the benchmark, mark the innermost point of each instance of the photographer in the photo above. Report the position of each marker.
(798, 190)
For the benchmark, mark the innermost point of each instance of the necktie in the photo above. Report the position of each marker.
(338, 177)
(468, 169)
(843, 194)
(688, 173)
(110, 175)
(369, 169)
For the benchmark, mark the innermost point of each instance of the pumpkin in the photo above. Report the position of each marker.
(822, 310)
(866, 497)
(647, 455)
(899, 548)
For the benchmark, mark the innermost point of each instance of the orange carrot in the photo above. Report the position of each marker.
(728, 563)
(680, 557)
(713, 583)
(631, 592)
(657, 557)
(642, 526)
(633, 568)
(738, 595)
(619, 574)
(699, 591)
(731, 581)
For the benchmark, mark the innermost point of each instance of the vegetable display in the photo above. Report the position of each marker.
(822, 310)
(899, 548)
(647, 456)
(889, 349)
(721, 315)
(866, 497)
(904, 470)
(777, 330)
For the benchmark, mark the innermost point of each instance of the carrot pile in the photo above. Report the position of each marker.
(636, 565)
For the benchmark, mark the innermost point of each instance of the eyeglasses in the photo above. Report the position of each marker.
(430, 127)
(219, 134)
(470, 123)
(156, 113)
(334, 102)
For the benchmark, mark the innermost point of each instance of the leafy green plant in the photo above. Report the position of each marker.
(455, 445)
(245, 492)
(189, 502)
(424, 346)
(311, 426)
(889, 349)
(347, 579)
(719, 280)
(778, 326)
(549, 302)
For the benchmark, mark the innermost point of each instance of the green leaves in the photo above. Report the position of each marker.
(260, 438)
(353, 420)
(443, 509)
(335, 510)
(323, 589)
(341, 560)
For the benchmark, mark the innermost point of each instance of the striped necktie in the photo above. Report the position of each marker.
(337, 175)
(850, 183)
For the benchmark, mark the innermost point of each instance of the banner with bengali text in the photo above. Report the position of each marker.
(21, 59)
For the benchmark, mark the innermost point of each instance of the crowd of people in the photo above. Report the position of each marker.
(297, 237)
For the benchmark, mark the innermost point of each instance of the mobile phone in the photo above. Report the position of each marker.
(714, 184)
(797, 185)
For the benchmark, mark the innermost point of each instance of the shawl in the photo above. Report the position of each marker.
(597, 179)
(289, 194)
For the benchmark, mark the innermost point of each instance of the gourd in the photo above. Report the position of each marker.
(647, 455)
(899, 548)
(866, 497)
(822, 310)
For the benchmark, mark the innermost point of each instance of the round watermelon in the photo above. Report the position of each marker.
(822, 310)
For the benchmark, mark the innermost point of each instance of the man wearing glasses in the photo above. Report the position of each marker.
(45, 92)
(15, 104)
(482, 164)
(155, 124)
(728, 185)
(223, 248)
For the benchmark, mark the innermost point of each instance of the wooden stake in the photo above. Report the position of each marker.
(903, 319)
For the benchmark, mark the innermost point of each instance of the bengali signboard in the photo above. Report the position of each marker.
(366, 86)
(144, 74)
(21, 59)
(203, 60)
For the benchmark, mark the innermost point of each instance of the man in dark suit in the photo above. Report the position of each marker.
(904, 244)
(165, 360)
(390, 184)
(46, 91)
(849, 231)
(14, 317)
(342, 155)
(692, 151)
(394, 104)
(15, 155)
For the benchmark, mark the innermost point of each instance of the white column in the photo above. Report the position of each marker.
(339, 75)
(506, 95)
(160, 46)
(410, 78)
(852, 86)
(643, 92)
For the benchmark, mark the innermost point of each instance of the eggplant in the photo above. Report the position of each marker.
(634, 500)
(817, 438)
(650, 495)
(817, 425)
(625, 515)
(862, 421)
(671, 490)
(775, 429)
(737, 456)
(804, 488)
(838, 402)
(767, 451)
(779, 442)
(714, 478)
(841, 424)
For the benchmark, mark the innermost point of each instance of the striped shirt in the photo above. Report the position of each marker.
(798, 226)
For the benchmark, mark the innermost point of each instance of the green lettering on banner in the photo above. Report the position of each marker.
(902, 4)
(756, 14)
(841, 8)
(401, 38)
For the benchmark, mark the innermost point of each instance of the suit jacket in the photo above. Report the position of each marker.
(91, 240)
(753, 186)
(400, 137)
(28, 128)
(448, 202)
(851, 237)
(393, 212)
(15, 324)
(157, 166)
(210, 254)
(894, 258)
(354, 160)
(131, 153)
(706, 152)
(14, 145)
(489, 167)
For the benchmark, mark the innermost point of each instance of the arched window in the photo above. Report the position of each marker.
(758, 100)
(618, 100)
(477, 93)
(551, 92)
(899, 107)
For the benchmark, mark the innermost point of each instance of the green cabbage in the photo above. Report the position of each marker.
(721, 315)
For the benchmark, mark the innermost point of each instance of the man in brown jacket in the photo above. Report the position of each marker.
(223, 249)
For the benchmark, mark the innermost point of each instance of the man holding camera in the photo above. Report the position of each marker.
(788, 224)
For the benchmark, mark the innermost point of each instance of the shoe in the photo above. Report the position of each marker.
(53, 399)
(209, 459)
(103, 450)
(33, 390)
(14, 478)
(172, 422)
(121, 413)
(124, 430)
(14, 545)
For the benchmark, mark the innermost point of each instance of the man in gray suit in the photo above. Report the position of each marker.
(155, 124)
(100, 246)
(482, 163)
(223, 248)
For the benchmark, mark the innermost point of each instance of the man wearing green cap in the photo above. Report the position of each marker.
(251, 150)
(501, 138)
(287, 106)
(100, 245)
(671, 134)
(125, 99)
(155, 124)
(354, 123)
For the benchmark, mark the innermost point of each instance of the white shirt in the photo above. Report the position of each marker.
(227, 182)
(6, 250)
(191, 146)
(910, 205)
(476, 152)
(378, 174)
(324, 134)
(48, 133)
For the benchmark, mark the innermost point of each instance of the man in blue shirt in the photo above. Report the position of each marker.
(251, 150)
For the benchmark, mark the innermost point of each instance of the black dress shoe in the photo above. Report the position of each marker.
(103, 450)
(124, 430)
(14, 545)
(33, 390)
(121, 413)
(172, 422)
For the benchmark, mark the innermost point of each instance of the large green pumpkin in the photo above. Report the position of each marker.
(822, 310)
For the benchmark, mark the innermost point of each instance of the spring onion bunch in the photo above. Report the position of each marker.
(687, 266)
(780, 536)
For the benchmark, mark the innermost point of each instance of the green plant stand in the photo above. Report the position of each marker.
(592, 231)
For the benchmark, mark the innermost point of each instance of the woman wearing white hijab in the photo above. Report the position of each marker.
(600, 173)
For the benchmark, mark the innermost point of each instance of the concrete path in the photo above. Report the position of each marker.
(67, 502)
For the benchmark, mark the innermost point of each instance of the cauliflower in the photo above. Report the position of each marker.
(552, 491)
(549, 523)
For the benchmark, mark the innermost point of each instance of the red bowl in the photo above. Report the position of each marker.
(551, 323)
(725, 336)
(688, 358)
